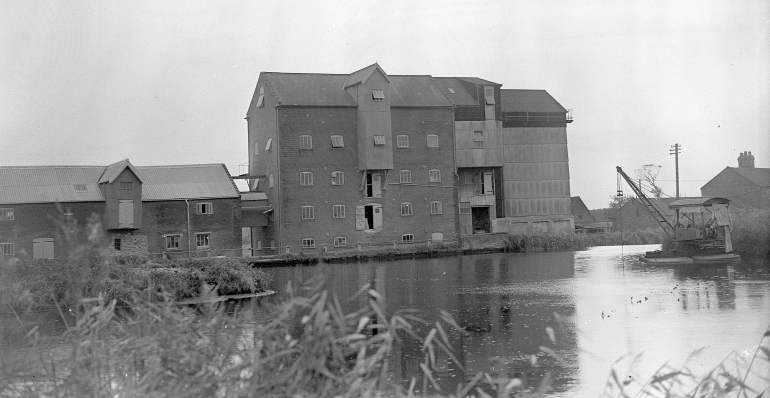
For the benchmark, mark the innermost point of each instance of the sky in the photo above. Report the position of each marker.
(163, 82)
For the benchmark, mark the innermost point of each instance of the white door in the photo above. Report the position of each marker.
(125, 214)
(42, 248)
(488, 187)
(360, 218)
(376, 185)
(377, 216)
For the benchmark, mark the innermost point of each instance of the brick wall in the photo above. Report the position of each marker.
(42, 220)
(322, 160)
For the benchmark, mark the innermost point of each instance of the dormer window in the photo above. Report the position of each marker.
(378, 95)
(489, 95)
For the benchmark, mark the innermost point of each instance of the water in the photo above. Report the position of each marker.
(603, 304)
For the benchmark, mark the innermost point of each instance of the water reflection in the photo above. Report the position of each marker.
(609, 304)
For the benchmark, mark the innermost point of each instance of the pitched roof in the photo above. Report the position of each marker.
(454, 91)
(362, 75)
(316, 89)
(113, 171)
(191, 181)
(759, 176)
(514, 100)
(480, 82)
(49, 184)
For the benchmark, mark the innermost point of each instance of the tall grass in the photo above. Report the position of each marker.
(751, 233)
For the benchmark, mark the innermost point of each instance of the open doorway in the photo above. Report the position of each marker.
(480, 219)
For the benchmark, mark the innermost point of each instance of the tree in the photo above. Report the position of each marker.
(648, 173)
(617, 201)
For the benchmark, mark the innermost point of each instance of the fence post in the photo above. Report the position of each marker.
(326, 250)
(395, 244)
(359, 246)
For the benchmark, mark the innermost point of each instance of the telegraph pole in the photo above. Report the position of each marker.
(675, 151)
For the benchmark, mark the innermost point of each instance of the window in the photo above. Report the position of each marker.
(308, 243)
(305, 178)
(337, 141)
(126, 185)
(373, 185)
(338, 178)
(405, 176)
(465, 207)
(402, 141)
(338, 211)
(172, 242)
(205, 208)
(407, 238)
(436, 207)
(478, 139)
(378, 95)
(434, 175)
(406, 209)
(43, 248)
(432, 141)
(308, 212)
(261, 99)
(6, 249)
(116, 243)
(269, 144)
(379, 140)
(305, 142)
(6, 214)
(81, 188)
(470, 179)
(340, 241)
(256, 148)
(489, 95)
(270, 181)
(202, 239)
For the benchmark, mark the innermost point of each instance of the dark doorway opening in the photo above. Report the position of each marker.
(480, 219)
(369, 215)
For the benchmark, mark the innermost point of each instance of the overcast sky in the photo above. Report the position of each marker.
(93, 82)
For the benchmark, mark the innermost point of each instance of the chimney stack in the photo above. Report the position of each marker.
(746, 160)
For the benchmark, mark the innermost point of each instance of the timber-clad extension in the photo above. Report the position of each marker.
(373, 158)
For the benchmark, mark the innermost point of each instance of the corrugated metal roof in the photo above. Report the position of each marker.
(759, 176)
(697, 202)
(458, 94)
(253, 196)
(313, 89)
(200, 181)
(514, 100)
(48, 184)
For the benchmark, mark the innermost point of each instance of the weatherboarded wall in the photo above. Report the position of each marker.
(536, 171)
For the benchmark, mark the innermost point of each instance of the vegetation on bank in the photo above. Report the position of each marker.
(307, 347)
(528, 244)
(41, 284)
(751, 234)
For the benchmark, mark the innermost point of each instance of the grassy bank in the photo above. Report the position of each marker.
(41, 284)
(529, 244)
(751, 234)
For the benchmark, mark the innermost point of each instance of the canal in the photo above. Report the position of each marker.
(604, 306)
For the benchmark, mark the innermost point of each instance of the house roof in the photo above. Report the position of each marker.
(514, 100)
(697, 202)
(458, 95)
(190, 181)
(660, 203)
(49, 184)
(759, 176)
(113, 171)
(480, 82)
(362, 75)
(315, 89)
